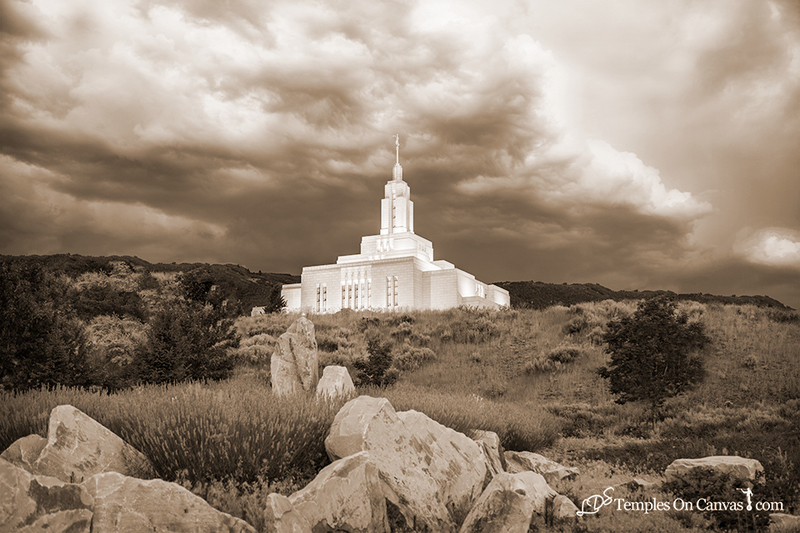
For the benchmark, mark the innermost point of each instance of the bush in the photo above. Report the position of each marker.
(554, 359)
(372, 370)
(410, 358)
(653, 354)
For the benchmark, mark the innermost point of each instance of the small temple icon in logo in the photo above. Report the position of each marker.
(395, 269)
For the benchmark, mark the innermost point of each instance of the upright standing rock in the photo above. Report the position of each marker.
(294, 364)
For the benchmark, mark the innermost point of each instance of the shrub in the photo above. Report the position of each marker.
(372, 370)
(653, 354)
(554, 359)
(410, 358)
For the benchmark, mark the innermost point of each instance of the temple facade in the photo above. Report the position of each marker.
(395, 270)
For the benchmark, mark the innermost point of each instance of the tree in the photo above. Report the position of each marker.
(654, 354)
(41, 340)
(185, 341)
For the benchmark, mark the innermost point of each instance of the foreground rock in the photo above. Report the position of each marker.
(489, 443)
(783, 523)
(294, 364)
(347, 495)
(433, 474)
(505, 506)
(738, 468)
(564, 511)
(280, 516)
(335, 383)
(25, 451)
(533, 462)
(78, 447)
(129, 505)
(40, 503)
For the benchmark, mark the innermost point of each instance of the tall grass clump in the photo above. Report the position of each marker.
(192, 431)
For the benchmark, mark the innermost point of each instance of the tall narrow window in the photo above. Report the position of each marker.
(395, 291)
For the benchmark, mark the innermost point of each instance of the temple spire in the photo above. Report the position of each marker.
(397, 172)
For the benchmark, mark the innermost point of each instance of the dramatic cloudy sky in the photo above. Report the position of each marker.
(632, 143)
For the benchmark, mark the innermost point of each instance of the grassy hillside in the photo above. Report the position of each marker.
(529, 375)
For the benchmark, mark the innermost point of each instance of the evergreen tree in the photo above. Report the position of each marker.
(653, 354)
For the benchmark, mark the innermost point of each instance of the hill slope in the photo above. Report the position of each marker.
(538, 295)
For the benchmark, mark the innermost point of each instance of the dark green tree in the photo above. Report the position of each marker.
(186, 341)
(276, 301)
(42, 342)
(654, 354)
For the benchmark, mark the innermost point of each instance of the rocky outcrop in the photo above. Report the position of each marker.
(489, 443)
(335, 383)
(294, 365)
(528, 461)
(124, 504)
(41, 503)
(738, 468)
(25, 451)
(78, 447)
(433, 474)
(504, 507)
(347, 495)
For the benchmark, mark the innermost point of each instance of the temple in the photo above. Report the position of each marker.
(394, 271)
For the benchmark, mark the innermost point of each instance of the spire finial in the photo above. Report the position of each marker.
(397, 172)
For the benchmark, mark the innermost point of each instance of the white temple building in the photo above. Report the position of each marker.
(394, 271)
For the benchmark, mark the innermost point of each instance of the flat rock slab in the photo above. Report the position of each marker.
(738, 468)
(39, 503)
(128, 505)
(529, 461)
(78, 447)
(433, 474)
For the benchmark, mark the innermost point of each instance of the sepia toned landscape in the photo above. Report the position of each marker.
(162, 361)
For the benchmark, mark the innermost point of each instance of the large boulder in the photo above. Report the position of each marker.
(39, 503)
(294, 365)
(433, 474)
(504, 507)
(335, 383)
(489, 443)
(25, 451)
(737, 468)
(125, 504)
(533, 462)
(78, 447)
(347, 495)
(280, 516)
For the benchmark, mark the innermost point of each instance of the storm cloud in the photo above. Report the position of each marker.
(652, 145)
